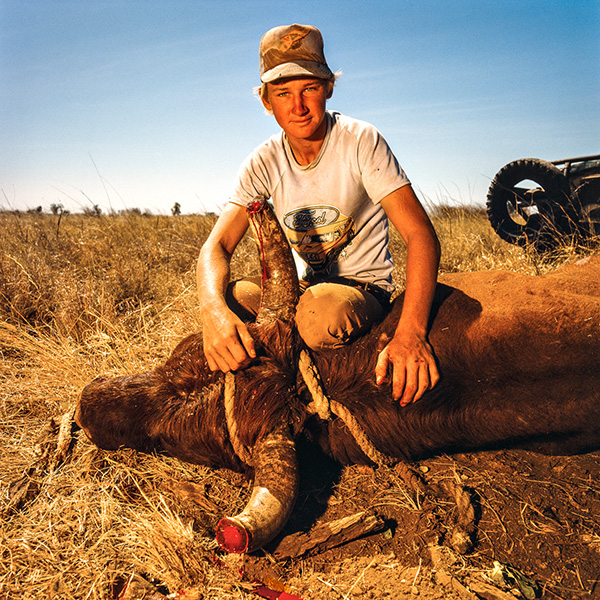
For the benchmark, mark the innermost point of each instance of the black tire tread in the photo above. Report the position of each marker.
(537, 230)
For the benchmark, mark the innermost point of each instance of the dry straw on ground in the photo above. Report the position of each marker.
(113, 294)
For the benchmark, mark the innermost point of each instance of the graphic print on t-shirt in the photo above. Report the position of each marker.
(318, 234)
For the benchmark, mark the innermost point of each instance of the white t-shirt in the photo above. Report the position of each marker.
(330, 209)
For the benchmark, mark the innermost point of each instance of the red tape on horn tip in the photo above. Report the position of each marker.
(231, 536)
(265, 592)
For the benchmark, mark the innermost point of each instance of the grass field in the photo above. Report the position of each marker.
(82, 295)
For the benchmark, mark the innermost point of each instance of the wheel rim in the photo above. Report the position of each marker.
(528, 203)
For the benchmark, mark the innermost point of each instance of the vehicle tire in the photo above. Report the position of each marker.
(539, 215)
(587, 200)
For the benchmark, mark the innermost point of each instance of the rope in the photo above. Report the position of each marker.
(242, 451)
(362, 439)
(322, 406)
(310, 374)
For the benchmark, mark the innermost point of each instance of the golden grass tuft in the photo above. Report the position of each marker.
(86, 295)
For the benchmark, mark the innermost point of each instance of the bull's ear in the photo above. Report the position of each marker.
(280, 289)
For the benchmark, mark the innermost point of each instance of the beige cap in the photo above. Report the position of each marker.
(292, 51)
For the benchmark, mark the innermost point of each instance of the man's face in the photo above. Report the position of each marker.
(298, 105)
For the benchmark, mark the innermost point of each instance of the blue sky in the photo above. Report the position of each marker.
(147, 103)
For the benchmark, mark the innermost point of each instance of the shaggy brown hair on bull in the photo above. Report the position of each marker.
(178, 408)
(266, 390)
(518, 357)
(521, 374)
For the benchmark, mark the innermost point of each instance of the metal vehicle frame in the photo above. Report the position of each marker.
(532, 201)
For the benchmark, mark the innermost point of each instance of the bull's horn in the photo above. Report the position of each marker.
(280, 290)
(274, 457)
(272, 499)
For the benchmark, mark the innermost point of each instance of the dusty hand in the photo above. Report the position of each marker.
(228, 345)
(409, 359)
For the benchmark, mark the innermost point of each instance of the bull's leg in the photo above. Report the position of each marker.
(51, 450)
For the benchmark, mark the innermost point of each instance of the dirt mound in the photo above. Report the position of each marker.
(126, 525)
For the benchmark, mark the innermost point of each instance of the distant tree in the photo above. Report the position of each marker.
(176, 210)
(95, 211)
(131, 211)
(57, 209)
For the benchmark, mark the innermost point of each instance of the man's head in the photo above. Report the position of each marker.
(292, 51)
(298, 105)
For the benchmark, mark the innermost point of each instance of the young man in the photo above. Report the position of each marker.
(334, 184)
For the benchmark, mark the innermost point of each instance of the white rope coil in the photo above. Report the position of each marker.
(322, 406)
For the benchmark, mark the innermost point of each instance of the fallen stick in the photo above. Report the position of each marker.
(195, 493)
(329, 535)
(51, 450)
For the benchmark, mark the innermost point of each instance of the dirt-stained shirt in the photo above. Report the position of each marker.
(330, 209)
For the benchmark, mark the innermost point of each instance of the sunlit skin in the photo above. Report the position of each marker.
(298, 105)
(407, 362)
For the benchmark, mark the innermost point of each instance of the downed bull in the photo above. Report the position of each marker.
(518, 356)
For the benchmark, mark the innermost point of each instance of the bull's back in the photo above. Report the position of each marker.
(519, 358)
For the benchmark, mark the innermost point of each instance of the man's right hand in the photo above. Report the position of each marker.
(228, 345)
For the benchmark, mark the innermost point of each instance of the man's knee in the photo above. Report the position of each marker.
(243, 297)
(330, 314)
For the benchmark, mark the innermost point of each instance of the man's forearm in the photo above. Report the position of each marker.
(423, 256)
(212, 275)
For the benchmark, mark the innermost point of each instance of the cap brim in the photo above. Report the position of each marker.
(304, 68)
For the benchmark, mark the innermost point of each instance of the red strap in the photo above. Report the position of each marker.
(265, 592)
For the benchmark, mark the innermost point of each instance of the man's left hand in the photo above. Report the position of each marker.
(409, 360)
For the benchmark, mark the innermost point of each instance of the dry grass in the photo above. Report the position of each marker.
(85, 295)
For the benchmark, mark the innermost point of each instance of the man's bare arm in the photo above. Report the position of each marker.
(228, 345)
(408, 357)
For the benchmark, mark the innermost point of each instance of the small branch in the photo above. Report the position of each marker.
(329, 535)
(195, 493)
